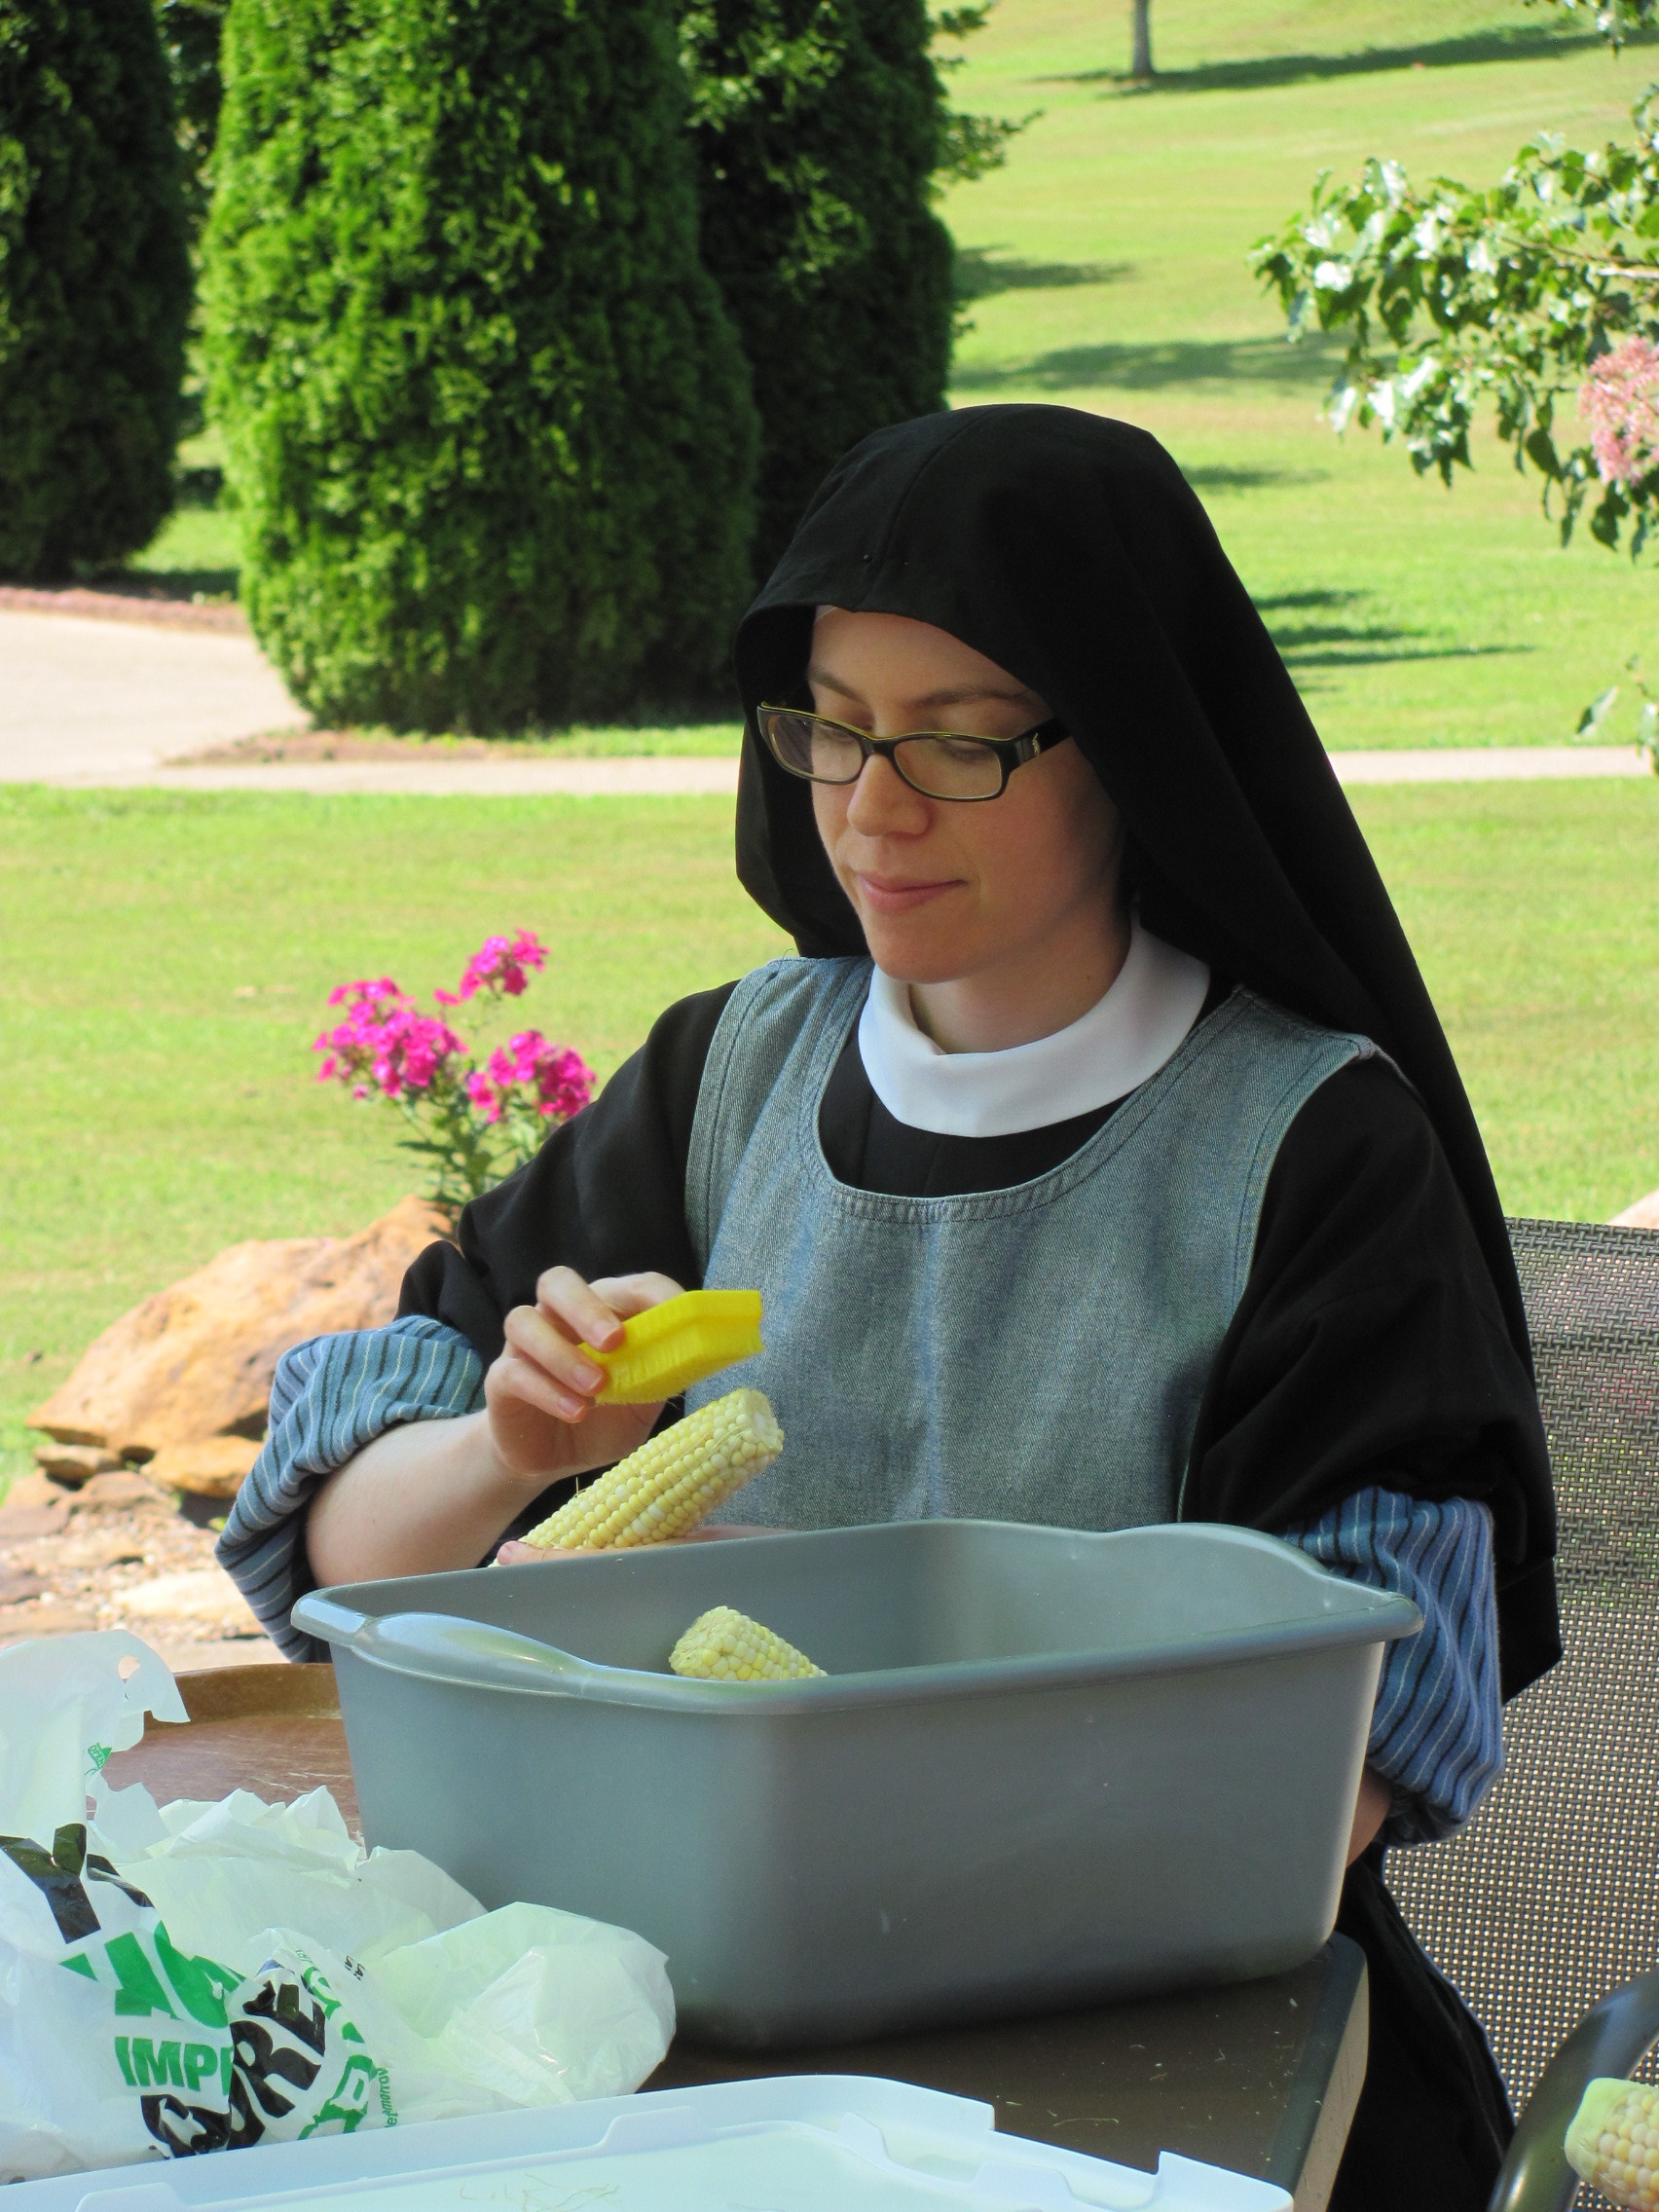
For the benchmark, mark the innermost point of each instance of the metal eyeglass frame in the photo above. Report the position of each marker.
(1009, 752)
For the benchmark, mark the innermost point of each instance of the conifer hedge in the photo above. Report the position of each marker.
(488, 426)
(820, 126)
(95, 284)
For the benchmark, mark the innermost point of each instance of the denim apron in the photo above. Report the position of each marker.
(1036, 1353)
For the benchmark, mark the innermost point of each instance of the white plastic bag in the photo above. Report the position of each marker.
(208, 1976)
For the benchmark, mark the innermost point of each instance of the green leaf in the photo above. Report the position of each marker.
(1596, 712)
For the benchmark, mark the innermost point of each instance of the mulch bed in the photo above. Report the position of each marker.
(153, 609)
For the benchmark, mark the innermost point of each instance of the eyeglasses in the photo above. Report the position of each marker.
(938, 763)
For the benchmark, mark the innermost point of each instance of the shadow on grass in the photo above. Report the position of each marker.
(1277, 602)
(1524, 44)
(1337, 643)
(982, 272)
(1223, 478)
(1311, 363)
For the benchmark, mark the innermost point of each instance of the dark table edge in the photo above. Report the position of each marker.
(1342, 2012)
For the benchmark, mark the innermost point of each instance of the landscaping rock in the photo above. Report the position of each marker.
(196, 1360)
(200, 1598)
(1644, 1214)
(141, 1566)
(215, 1467)
(34, 1489)
(75, 1462)
(18, 1623)
(119, 1493)
(23, 1520)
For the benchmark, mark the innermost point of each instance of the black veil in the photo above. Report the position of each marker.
(1071, 552)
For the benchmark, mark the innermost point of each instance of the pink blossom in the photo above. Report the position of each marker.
(385, 989)
(499, 965)
(560, 1081)
(1620, 401)
(484, 1096)
(385, 1038)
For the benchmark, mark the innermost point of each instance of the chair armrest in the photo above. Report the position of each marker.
(1614, 2037)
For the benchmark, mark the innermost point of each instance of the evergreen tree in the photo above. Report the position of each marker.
(95, 284)
(487, 422)
(191, 31)
(822, 130)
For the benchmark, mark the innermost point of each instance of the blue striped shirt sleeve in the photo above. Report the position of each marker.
(331, 1396)
(1437, 1729)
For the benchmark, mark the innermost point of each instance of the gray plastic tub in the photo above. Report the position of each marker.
(1046, 1767)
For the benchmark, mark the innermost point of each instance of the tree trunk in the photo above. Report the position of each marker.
(1141, 64)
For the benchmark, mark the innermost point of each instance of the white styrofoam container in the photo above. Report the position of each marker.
(807, 2143)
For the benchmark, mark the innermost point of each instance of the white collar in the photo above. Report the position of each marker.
(1123, 1039)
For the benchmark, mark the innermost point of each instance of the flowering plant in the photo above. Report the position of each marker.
(472, 1120)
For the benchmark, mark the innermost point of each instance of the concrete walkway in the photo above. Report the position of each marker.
(91, 703)
(438, 779)
(1489, 764)
(83, 701)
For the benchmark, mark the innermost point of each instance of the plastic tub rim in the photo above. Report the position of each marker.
(453, 1648)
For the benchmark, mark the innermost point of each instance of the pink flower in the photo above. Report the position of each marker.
(499, 965)
(1620, 401)
(482, 1094)
(385, 1039)
(559, 1080)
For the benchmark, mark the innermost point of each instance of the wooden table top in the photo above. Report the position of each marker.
(1261, 2077)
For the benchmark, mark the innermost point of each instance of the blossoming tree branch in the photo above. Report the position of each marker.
(472, 1120)
(1541, 294)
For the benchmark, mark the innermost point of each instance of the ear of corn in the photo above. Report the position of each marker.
(724, 1645)
(671, 1482)
(1613, 2142)
(670, 1346)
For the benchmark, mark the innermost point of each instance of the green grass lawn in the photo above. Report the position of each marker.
(1108, 259)
(169, 956)
(1104, 267)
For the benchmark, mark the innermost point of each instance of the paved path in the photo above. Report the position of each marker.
(1489, 764)
(86, 702)
(520, 778)
(497, 779)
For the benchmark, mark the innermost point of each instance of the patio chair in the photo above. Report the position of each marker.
(1544, 1911)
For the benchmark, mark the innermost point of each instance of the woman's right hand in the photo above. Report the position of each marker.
(539, 1395)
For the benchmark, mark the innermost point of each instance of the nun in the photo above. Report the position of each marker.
(1099, 1156)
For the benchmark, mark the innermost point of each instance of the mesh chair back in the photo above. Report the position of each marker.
(1549, 1896)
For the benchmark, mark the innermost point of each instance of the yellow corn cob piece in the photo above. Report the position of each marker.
(724, 1645)
(1613, 2142)
(671, 1482)
(670, 1346)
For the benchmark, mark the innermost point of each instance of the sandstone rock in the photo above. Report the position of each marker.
(24, 1519)
(196, 1360)
(213, 1467)
(16, 1582)
(33, 1490)
(1644, 1214)
(93, 1552)
(119, 1493)
(202, 1596)
(75, 1462)
(20, 1622)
